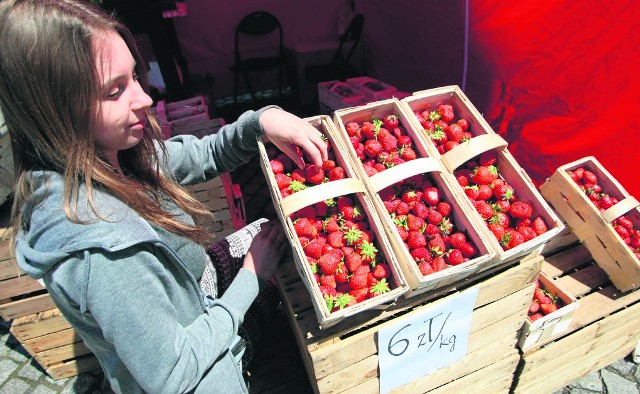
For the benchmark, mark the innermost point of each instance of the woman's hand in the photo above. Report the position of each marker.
(266, 250)
(287, 131)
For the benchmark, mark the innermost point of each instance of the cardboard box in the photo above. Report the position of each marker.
(311, 195)
(553, 324)
(592, 227)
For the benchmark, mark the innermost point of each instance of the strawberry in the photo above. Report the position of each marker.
(431, 196)
(484, 209)
(379, 288)
(381, 270)
(484, 192)
(534, 307)
(360, 294)
(488, 158)
(497, 230)
(336, 239)
(314, 174)
(464, 124)
(369, 129)
(327, 291)
(500, 218)
(454, 132)
(444, 208)
(438, 264)
(421, 254)
(456, 240)
(298, 175)
(410, 196)
(336, 173)
(503, 192)
(276, 166)
(404, 141)
(304, 227)
(437, 246)
(512, 239)
(408, 153)
(425, 268)
(352, 261)
(527, 232)
(472, 192)
(484, 175)
(548, 308)
(389, 143)
(372, 148)
(341, 275)
(282, 181)
(589, 177)
(330, 261)
(454, 257)
(328, 165)
(446, 112)
(358, 281)
(403, 208)
(416, 240)
(314, 247)
(414, 223)
(328, 280)
(390, 122)
(468, 250)
(391, 205)
(434, 217)
(368, 252)
(520, 210)
(352, 128)
(536, 316)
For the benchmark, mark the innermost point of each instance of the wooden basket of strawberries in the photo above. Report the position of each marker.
(339, 246)
(449, 121)
(602, 214)
(435, 240)
(550, 313)
(504, 198)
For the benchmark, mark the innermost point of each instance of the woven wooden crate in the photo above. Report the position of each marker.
(553, 324)
(592, 227)
(604, 329)
(49, 338)
(429, 100)
(344, 358)
(311, 195)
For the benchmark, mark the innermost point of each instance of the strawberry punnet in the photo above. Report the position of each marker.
(543, 302)
(589, 183)
(498, 203)
(343, 252)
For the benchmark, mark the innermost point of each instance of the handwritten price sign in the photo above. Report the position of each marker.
(425, 340)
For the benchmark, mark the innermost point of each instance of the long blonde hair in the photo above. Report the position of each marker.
(49, 94)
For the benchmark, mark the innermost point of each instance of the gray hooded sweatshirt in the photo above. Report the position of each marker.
(134, 300)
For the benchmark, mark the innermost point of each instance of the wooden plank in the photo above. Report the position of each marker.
(14, 309)
(584, 280)
(566, 261)
(18, 286)
(38, 324)
(50, 357)
(6, 251)
(73, 367)
(53, 340)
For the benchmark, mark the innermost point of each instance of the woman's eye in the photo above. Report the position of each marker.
(113, 93)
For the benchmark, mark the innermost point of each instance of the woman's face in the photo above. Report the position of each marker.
(122, 102)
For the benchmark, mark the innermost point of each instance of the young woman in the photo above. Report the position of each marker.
(98, 211)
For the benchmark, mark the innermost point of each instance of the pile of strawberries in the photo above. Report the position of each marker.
(290, 178)
(511, 220)
(381, 143)
(589, 184)
(442, 127)
(543, 302)
(424, 222)
(342, 250)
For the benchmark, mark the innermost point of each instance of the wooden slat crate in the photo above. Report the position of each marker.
(604, 329)
(20, 295)
(593, 227)
(344, 358)
(7, 176)
(54, 344)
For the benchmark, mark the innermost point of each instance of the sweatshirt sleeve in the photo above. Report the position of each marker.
(193, 160)
(140, 309)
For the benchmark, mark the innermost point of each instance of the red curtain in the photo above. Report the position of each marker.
(563, 81)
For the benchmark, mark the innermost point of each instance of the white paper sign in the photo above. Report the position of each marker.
(422, 342)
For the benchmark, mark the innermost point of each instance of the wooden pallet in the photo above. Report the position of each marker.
(54, 344)
(344, 358)
(604, 329)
